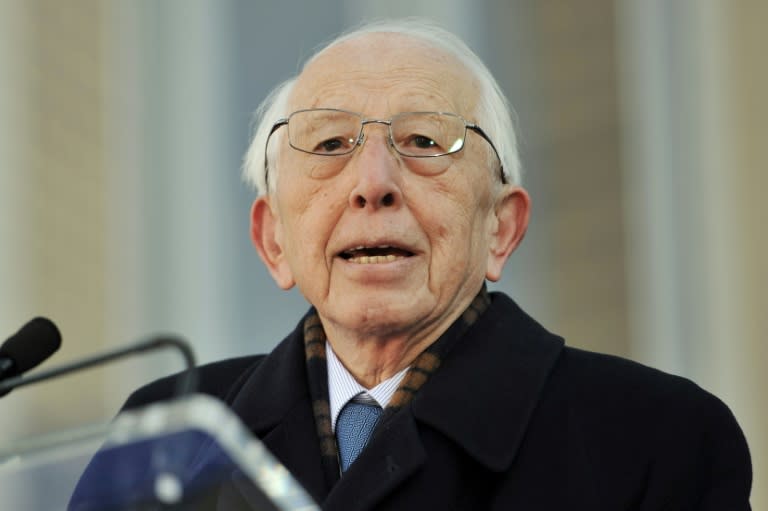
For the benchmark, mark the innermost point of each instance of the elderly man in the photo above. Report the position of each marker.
(389, 192)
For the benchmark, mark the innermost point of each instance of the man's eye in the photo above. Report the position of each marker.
(329, 146)
(423, 142)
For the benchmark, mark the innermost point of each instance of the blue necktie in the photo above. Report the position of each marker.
(353, 429)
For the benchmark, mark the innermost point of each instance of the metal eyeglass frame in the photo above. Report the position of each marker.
(283, 121)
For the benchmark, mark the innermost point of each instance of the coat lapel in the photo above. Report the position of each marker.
(486, 390)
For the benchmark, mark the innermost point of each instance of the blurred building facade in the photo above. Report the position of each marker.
(643, 139)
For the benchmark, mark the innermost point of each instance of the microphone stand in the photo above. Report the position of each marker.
(185, 385)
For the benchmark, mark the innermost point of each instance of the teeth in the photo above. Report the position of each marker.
(375, 259)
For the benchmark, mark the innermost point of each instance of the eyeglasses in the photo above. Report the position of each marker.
(422, 135)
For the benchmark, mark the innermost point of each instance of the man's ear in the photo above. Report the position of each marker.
(512, 213)
(266, 235)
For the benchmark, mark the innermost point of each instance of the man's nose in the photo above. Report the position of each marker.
(377, 170)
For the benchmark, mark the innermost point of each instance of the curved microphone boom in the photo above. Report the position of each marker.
(186, 385)
(37, 340)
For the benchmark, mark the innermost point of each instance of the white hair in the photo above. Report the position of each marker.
(493, 110)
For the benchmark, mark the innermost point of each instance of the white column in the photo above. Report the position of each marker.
(167, 70)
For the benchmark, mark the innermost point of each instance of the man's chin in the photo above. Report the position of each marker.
(378, 315)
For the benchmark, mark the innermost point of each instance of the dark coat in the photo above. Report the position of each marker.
(512, 420)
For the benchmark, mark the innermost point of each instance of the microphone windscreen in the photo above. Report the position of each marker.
(34, 342)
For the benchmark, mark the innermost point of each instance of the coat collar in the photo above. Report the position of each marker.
(495, 376)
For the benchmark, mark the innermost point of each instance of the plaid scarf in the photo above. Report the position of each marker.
(422, 368)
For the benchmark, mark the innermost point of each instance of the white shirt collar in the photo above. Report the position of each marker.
(342, 386)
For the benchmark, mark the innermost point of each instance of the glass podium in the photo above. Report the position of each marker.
(187, 454)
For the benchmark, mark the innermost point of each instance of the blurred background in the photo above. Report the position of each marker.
(122, 213)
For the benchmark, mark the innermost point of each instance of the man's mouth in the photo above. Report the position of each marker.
(374, 255)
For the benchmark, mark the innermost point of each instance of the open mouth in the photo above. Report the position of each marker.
(375, 255)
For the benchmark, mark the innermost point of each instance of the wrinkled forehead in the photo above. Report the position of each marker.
(385, 73)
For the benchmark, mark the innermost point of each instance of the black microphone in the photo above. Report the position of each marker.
(185, 385)
(34, 342)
